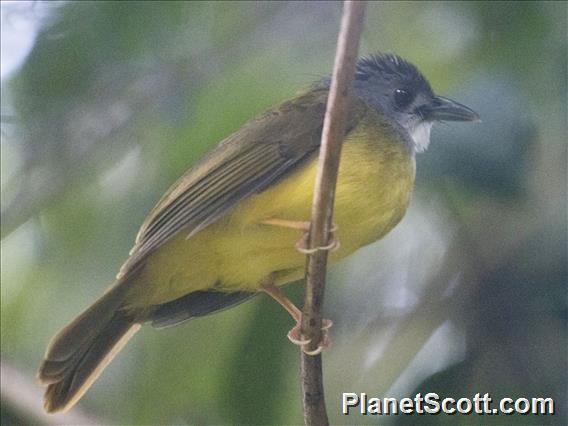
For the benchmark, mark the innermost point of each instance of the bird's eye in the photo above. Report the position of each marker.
(403, 97)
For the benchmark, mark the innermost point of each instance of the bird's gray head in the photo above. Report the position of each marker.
(396, 88)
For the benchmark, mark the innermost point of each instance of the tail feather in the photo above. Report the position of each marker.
(79, 353)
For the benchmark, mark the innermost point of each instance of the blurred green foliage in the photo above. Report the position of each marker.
(468, 294)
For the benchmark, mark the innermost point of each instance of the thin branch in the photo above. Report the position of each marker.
(322, 208)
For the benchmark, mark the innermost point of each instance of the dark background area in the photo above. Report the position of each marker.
(110, 102)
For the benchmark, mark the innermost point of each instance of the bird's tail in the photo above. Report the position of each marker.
(79, 353)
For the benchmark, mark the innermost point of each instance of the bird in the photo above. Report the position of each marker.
(232, 225)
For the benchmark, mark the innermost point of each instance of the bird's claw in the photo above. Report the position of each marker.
(302, 244)
(296, 337)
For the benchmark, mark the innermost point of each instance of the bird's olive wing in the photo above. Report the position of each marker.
(264, 150)
(196, 304)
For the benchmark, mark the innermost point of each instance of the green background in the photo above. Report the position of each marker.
(466, 295)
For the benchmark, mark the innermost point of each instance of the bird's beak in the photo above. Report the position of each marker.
(444, 109)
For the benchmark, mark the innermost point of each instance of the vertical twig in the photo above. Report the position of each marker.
(322, 208)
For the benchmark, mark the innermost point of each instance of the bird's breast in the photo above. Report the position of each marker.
(375, 180)
(374, 185)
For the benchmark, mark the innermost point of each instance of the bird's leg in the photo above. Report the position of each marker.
(295, 334)
(302, 244)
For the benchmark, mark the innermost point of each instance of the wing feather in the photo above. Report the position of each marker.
(262, 151)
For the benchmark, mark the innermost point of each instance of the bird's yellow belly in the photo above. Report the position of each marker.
(237, 251)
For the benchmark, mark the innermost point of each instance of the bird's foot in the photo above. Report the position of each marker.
(302, 244)
(303, 247)
(296, 337)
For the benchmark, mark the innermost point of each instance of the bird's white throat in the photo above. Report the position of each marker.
(421, 136)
